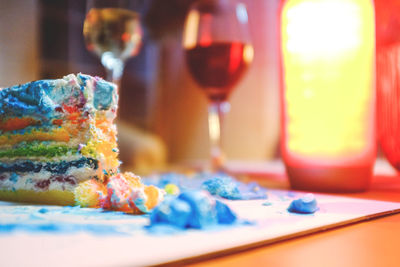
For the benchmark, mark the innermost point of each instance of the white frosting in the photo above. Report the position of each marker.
(28, 181)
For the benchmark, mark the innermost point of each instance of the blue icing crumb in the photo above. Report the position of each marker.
(192, 209)
(225, 186)
(267, 203)
(171, 211)
(222, 186)
(218, 184)
(304, 205)
(201, 207)
(229, 188)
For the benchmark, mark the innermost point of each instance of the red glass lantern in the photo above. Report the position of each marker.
(388, 78)
(328, 93)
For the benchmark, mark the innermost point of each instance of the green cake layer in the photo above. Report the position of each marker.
(38, 150)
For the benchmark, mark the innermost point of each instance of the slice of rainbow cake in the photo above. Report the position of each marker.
(55, 135)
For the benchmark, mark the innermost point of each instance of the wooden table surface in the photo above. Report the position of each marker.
(370, 243)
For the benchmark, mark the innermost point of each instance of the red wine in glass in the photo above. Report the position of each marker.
(218, 51)
(217, 67)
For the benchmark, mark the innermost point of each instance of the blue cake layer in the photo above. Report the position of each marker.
(60, 167)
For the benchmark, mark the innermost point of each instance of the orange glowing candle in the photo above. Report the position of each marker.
(328, 131)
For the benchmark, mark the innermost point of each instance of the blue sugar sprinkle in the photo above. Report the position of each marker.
(43, 210)
(14, 177)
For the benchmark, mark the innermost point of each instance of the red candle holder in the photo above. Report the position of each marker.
(388, 78)
(328, 93)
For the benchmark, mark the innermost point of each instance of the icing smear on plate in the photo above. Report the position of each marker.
(189, 203)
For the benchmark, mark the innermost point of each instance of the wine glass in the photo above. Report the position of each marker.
(218, 51)
(112, 31)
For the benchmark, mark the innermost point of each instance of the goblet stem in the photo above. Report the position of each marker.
(114, 67)
(216, 112)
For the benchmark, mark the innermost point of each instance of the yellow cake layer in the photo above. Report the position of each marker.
(52, 197)
(58, 134)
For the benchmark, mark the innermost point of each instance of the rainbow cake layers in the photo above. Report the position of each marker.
(54, 135)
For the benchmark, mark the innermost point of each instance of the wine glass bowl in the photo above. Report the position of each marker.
(112, 31)
(218, 51)
(218, 67)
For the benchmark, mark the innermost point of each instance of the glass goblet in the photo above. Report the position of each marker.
(218, 51)
(112, 30)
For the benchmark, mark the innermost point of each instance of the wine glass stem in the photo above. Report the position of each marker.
(216, 112)
(114, 67)
(114, 76)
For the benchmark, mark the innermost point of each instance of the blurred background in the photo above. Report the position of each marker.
(163, 113)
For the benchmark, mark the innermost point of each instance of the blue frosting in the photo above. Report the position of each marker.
(40, 98)
(27, 99)
(172, 211)
(192, 209)
(202, 210)
(224, 214)
(103, 95)
(304, 205)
